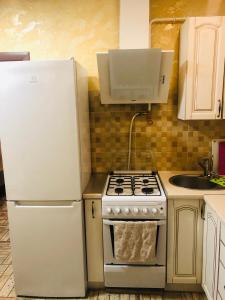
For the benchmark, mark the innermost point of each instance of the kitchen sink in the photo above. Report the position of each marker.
(194, 182)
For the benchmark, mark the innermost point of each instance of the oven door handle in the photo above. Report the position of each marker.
(109, 222)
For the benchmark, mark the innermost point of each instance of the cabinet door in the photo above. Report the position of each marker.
(93, 220)
(184, 256)
(221, 281)
(205, 67)
(210, 253)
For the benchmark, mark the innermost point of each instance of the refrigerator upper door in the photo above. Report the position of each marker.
(39, 130)
(47, 241)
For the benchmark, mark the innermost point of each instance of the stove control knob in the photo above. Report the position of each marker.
(117, 211)
(126, 210)
(161, 211)
(154, 210)
(109, 210)
(145, 211)
(136, 210)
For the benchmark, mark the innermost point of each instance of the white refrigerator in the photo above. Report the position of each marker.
(44, 134)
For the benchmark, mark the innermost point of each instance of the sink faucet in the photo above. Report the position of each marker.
(207, 165)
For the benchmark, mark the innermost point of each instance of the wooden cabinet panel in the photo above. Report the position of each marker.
(210, 253)
(185, 246)
(222, 233)
(184, 241)
(218, 297)
(222, 254)
(202, 50)
(93, 220)
(221, 281)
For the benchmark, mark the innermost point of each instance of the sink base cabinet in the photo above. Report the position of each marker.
(184, 243)
(93, 222)
(210, 253)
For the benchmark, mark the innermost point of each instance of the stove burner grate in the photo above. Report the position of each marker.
(133, 185)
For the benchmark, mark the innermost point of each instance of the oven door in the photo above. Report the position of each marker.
(108, 240)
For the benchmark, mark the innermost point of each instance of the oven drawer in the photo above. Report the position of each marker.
(108, 241)
(134, 276)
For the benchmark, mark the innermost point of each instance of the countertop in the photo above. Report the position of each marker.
(97, 181)
(217, 203)
(175, 192)
(95, 186)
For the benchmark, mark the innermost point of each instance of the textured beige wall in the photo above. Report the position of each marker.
(186, 8)
(80, 28)
(60, 29)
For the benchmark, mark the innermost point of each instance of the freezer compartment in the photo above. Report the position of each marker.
(48, 248)
(135, 276)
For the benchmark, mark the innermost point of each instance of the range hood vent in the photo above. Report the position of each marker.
(134, 75)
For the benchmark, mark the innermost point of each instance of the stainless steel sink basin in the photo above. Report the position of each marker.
(194, 182)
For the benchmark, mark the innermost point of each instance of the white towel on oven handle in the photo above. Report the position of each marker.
(134, 241)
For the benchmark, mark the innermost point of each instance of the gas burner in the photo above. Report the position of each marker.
(119, 190)
(145, 181)
(120, 181)
(147, 190)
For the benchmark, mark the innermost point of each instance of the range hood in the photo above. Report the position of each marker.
(135, 73)
(134, 76)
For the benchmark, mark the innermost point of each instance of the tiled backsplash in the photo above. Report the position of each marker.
(167, 144)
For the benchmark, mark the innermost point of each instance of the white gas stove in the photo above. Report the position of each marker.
(133, 195)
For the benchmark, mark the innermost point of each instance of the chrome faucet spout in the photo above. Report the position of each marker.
(207, 165)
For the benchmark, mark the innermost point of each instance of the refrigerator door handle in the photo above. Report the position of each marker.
(44, 204)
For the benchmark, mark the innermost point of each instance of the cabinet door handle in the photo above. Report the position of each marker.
(93, 209)
(219, 108)
(203, 211)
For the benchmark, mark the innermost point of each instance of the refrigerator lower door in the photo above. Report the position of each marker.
(48, 248)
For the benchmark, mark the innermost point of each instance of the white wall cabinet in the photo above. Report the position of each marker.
(184, 254)
(201, 68)
(93, 220)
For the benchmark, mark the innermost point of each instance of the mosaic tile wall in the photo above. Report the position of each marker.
(167, 144)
